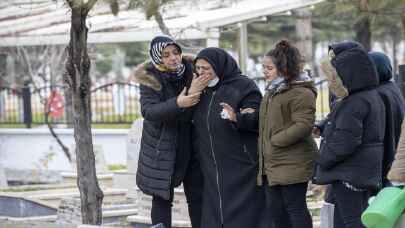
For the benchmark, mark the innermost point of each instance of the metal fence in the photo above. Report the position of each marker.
(11, 106)
(114, 103)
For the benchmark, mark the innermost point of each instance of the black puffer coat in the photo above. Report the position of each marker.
(163, 159)
(352, 147)
(228, 151)
(394, 107)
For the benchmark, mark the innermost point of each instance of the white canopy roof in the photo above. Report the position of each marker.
(44, 22)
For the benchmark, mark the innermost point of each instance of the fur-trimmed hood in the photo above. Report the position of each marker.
(397, 172)
(143, 75)
(354, 66)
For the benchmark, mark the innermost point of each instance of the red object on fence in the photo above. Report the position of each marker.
(55, 105)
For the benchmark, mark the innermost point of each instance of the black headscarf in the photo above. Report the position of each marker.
(223, 63)
(383, 65)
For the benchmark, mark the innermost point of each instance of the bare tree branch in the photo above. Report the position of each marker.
(403, 21)
(162, 25)
(22, 52)
(90, 4)
(114, 6)
(45, 58)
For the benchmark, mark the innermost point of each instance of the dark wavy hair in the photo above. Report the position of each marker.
(287, 59)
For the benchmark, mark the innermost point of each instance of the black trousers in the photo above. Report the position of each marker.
(349, 205)
(193, 185)
(288, 206)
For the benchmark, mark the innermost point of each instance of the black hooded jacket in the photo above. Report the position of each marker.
(352, 146)
(227, 150)
(394, 107)
(166, 135)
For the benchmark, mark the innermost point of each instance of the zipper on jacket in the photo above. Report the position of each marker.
(213, 156)
(262, 170)
(160, 139)
(247, 153)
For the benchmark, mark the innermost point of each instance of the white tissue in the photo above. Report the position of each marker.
(225, 114)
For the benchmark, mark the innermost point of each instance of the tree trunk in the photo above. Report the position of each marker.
(161, 23)
(187, 45)
(363, 31)
(77, 67)
(303, 28)
(403, 28)
(68, 107)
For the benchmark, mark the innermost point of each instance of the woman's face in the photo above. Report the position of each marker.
(269, 69)
(171, 57)
(205, 69)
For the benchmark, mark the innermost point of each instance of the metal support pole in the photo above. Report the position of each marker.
(26, 96)
(244, 51)
(401, 79)
(213, 37)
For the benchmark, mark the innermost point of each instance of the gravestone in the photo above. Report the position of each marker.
(128, 179)
(69, 211)
(134, 145)
(101, 165)
(105, 178)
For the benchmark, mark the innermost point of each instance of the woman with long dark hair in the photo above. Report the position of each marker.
(286, 147)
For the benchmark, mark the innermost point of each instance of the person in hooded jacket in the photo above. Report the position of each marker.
(226, 141)
(352, 148)
(394, 110)
(166, 158)
(286, 147)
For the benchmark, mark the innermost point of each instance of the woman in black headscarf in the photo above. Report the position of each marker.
(226, 143)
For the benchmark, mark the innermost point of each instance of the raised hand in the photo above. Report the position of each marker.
(247, 110)
(185, 101)
(198, 84)
(316, 132)
(229, 110)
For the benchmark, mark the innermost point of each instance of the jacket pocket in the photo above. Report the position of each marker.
(276, 120)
